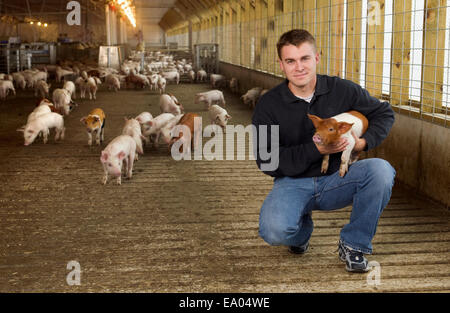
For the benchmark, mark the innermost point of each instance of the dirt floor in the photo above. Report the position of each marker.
(179, 226)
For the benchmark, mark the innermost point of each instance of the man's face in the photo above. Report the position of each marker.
(299, 63)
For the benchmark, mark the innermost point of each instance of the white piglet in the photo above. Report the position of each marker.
(41, 88)
(210, 96)
(218, 116)
(120, 151)
(70, 87)
(201, 75)
(5, 87)
(251, 96)
(171, 76)
(217, 80)
(132, 128)
(169, 104)
(112, 82)
(143, 118)
(89, 85)
(154, 126)
(61, 99)
(162, 84)
(43, 123)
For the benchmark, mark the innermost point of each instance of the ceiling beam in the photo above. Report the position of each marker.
(192, 8)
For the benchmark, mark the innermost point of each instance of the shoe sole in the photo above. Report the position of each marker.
(356, 270)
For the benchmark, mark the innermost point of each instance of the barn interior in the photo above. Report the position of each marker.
(192, 225)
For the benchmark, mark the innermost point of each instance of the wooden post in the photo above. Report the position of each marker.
(433, 55)
(353, 50)
(258, 34)
(309, 17)
(336, 38)
(401, 45)
(299, 14)
(271, 41)
(322, 34)
(375, 49)
(245, 35)
(263, 35)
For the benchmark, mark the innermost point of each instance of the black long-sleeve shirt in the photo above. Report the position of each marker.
(298, 155)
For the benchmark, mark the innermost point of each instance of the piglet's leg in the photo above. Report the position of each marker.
(102, 137)
(325, 161)
(97, 136)
(45, 133)
(344, 162)
(130, 164)
(63, 132)
(89, 139)
(105, 177)
(156, 142)
(57, 133)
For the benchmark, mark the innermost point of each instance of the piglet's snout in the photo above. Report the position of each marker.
(317, 138)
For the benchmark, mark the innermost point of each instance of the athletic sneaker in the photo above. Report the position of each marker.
(299, 249)
(354, 260)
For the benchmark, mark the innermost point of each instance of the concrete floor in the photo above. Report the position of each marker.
(180, 226)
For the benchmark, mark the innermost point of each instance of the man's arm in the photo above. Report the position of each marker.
(380, 115)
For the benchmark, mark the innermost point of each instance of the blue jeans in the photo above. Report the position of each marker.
(285, 217)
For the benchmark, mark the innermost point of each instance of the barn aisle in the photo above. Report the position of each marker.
(180, 226)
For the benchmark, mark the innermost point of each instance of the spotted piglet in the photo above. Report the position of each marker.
(95, 124)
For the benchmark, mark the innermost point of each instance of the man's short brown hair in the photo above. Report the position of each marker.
(295, 37)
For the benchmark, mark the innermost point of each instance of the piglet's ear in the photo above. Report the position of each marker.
(344, 127)
(150, 123)
(121, 155)
(83, 120)
(104, 156)
(315, 119)
(228, 117)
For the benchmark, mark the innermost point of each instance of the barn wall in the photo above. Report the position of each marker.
(153, 34)
(7, 30)
(418, 150)
(420, 153)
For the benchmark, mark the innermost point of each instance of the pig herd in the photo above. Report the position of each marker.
(144, 129)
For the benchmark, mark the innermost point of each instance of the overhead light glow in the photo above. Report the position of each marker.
(31, 23)
(39, 23)
(128, 10)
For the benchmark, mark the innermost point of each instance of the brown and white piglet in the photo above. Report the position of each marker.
(192, 122)
(95, 124)
(331, 130)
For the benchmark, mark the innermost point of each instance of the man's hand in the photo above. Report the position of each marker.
(333, 148)
(360, 143)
